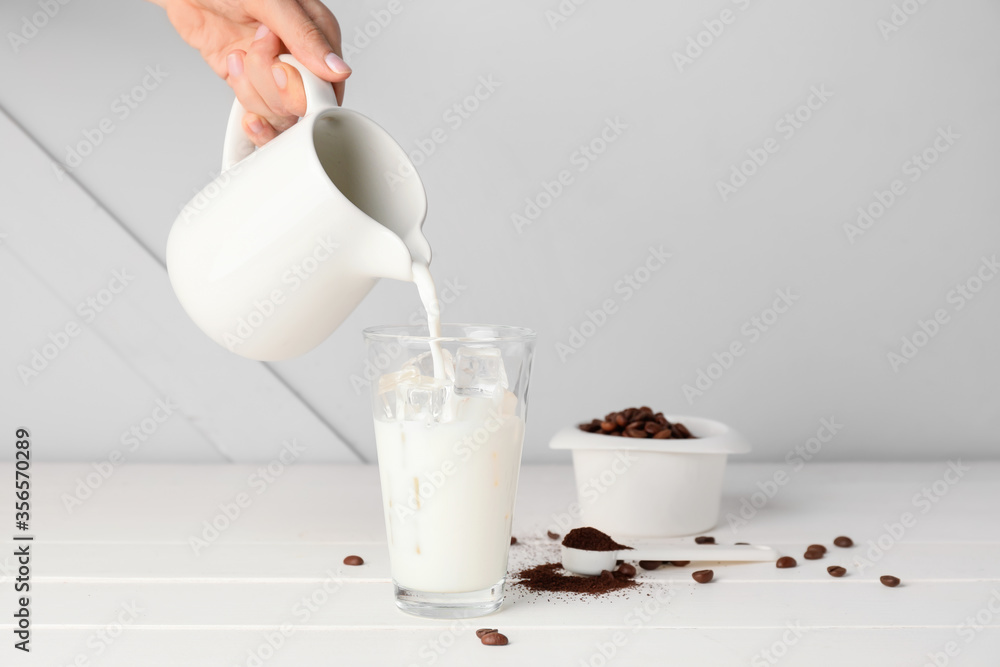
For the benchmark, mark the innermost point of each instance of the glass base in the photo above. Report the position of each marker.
(450, 605)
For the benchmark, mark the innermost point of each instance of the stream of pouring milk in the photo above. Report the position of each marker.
(428, 297)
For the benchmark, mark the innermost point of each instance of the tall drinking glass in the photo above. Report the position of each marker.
(449, 426)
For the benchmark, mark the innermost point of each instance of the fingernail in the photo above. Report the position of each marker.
(334, 62)
(261, 31)
(255, 126)
(235, 64)
(280, 77)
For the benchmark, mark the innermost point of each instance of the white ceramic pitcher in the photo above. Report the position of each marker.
(276, 252)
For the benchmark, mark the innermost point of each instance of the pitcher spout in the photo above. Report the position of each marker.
(385, 255)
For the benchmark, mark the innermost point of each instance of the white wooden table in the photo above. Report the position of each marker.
(116, 582)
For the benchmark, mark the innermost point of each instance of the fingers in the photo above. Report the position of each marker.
(255, 125)
(265, 74)
(311, 34)
(328, 23)
(258, 129)
(239, 81)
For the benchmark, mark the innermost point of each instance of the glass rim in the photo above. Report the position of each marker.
(508, 333)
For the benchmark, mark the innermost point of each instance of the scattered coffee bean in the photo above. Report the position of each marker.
(843, 542)
(552, 536)
(816, 547)
(836, 571)
(743, 543)
(678, 563)
(494, 639)
(637, 423)
(626, 570)
(513, 540)
(606, 577)
(812, 554)
(704, 539)
(650, 564)
(484, 631)
(889, 580)
(354, 560)
(785, 561)
(702, 576)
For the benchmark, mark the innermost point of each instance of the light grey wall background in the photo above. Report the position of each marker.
(897, 79)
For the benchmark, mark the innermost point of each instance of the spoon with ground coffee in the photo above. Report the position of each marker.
(590, 551)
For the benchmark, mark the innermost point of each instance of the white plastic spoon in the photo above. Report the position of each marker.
(582, 561)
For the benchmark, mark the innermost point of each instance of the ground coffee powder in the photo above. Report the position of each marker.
(552, 577)
(591, 539)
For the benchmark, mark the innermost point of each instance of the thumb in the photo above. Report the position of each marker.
(313, 46)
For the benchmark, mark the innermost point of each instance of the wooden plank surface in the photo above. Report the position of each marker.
(124, 557)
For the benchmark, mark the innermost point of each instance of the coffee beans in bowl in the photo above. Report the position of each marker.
(639, 422)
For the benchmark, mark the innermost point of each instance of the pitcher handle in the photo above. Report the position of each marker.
(319, 97)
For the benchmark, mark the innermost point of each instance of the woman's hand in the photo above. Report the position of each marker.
(241, 40)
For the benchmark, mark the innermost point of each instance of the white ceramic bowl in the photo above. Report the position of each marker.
(651, 488)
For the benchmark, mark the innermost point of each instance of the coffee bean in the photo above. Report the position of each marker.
(607, 426)
(513, 540)
(494, 639)
(785, 561)
(836, 571)
(627, 570)
(816, 547)
(702, 576)
(704, 539)
(743, 543)
(650, 564)
(843, 542)
(679, 563)
(606, 576)
(812, 554)
(635, 431)
(552, 536)
(680, 431)
(354, 560)
(663, 435)
(484, 631)
(889, 580)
